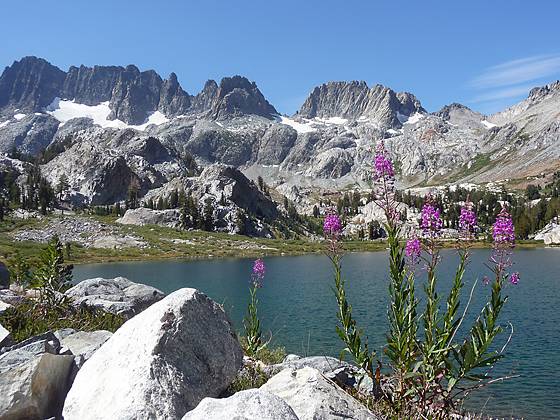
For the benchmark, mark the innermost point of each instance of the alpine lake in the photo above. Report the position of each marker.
(297, 306)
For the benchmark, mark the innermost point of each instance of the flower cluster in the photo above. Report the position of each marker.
(384, 176)
(503, 232)
(259, 271)
(467, 220)
(383, 164)
(332, 225)
(412, 250)
(431, 222)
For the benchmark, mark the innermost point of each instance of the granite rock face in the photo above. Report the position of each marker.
(167, 359)
(354, 100)
(238, 96)
(29, 135)
(30, 84)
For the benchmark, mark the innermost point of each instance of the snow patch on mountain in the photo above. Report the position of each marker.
(488, 124)
(65, 111)
(298, 126)
(413, 119)
(332, 120)
(19, 116)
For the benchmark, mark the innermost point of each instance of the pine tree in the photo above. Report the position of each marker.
(45, 196)
(132, 196)
(62, 186)
(315, 211)
(209, 215)
(184, 217)
(174, 199)
(241, 222)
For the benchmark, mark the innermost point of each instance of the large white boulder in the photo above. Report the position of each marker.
(143, 216)
(32, 386)
(314, 397)
(159, 364)
(119, 295)
(252, 404)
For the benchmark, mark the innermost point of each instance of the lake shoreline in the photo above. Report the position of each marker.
(352, 248)
(158, 243)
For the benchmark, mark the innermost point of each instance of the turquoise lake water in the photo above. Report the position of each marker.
(298, 307)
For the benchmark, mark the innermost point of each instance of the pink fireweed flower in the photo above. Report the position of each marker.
(258, 273)
(332, 226)
(431, 222)
(412, 250)
(384, 176)
(503, 231)
(514, 278)
(383, 164)
(467, 221)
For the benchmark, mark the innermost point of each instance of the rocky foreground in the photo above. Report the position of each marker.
(175, 358)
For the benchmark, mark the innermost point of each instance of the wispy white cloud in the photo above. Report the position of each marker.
(518, 71)
(510, 81)
(507, 93)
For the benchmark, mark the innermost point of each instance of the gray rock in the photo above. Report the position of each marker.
(42, 343)
(84, 344)
(30, 135)
(159, 364)
(143, 216)
(252, 404)
(275, 145)
(34, 387)
(313, 397)
(323, 364)
(119, 295)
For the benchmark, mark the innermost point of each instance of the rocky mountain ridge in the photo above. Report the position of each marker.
(32, 84)
(109, 123)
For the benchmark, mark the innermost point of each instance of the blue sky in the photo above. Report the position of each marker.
(485, 54)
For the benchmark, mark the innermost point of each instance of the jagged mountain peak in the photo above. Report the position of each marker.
(237, 96)
(453, 110)
(32, 84)
(542, 91)
(355, 100)
(29, 84)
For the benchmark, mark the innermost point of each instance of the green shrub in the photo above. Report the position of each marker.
(32, 318)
